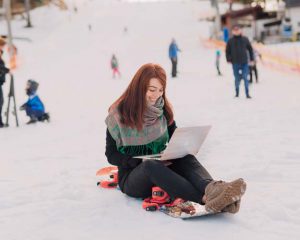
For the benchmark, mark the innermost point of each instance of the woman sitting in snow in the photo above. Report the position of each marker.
(142, 109)
(34, 107)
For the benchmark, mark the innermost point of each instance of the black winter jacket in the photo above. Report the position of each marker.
(125, 163)
(3, 71)
(236, 50)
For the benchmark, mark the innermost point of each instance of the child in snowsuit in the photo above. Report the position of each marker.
(34, 107)
(115, 66)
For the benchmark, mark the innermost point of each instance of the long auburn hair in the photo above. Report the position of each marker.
(132, 103)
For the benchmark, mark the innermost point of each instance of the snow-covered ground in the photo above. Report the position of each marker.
(47, 171)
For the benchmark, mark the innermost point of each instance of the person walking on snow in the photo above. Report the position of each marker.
(143, 109)
(236, 54)
(173, 50)
(115, 66)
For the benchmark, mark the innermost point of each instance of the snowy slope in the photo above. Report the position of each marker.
(47, 173)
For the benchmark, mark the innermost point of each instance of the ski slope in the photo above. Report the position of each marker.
(47, 171)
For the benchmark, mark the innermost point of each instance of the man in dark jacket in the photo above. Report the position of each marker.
(3, 72)
(236, 53)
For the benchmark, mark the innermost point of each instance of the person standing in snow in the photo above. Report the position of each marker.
(143, 109)
(3, 71)
(173, 50)
(115, 66)
(252, 67)
(34, 107)
(236, 54)
(218, 58)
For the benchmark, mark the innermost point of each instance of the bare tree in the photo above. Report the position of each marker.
(27, 9)
(217, 27)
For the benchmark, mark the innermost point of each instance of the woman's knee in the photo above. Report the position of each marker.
(145, 192)
(151, 165)
(190, 157)
(187, 159)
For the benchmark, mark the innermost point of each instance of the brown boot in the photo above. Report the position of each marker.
(213, 192)
(233, 208)
(220, 195)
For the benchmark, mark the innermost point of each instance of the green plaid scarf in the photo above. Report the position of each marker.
(151, 139)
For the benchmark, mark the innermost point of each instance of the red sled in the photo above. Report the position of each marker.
(159, 198)
(108, 177)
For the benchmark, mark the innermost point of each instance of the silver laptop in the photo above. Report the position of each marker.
(185, 140)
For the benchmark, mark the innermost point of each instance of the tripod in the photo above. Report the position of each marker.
(11, 94)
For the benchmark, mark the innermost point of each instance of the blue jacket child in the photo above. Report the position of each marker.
(34, 107)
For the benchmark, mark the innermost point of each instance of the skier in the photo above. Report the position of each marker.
(140, 122)
(34, 107)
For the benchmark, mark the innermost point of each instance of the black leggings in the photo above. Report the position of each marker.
(185, 178)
